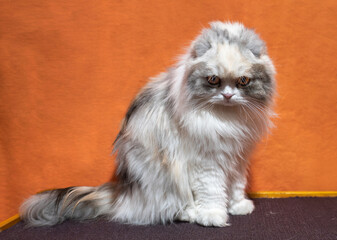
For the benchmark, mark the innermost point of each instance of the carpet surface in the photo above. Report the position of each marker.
(290, 218)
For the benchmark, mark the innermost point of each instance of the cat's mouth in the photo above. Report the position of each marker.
(228, 103)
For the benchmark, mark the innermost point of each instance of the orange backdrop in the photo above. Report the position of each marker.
(68, 70)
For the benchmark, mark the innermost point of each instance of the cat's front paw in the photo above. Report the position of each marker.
(243, 207)
(188, 215)
(215, 217)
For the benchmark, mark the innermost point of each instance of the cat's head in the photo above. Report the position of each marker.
(229, 66)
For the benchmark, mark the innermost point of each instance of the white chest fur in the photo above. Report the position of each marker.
(215, 134)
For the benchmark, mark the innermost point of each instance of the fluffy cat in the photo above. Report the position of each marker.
(183, 146)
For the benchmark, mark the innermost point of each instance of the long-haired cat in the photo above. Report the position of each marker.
(183, 146)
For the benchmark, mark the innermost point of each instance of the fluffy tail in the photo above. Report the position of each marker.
(55, 206)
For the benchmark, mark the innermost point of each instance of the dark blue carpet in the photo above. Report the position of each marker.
(290, 218)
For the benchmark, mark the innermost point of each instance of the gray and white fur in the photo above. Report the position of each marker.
(183, 146)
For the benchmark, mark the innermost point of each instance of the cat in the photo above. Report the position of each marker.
(183, 147)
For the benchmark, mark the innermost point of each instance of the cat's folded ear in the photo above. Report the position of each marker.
(249, 39)
(207, 39)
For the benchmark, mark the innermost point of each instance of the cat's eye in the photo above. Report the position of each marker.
(243, 81)
(213, 80)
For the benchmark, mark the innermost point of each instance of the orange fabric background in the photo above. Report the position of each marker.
(69, 69)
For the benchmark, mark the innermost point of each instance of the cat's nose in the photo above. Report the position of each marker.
(227, 95)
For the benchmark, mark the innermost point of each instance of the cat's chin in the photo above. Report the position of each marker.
(226, 104)
(229, 104)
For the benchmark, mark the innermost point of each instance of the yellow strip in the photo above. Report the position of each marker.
(292, 194)
(9, 222)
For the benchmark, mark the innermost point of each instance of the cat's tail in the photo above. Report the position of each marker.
(55, 206)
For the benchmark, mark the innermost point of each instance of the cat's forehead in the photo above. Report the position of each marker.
(226, 60)
(230, 59)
